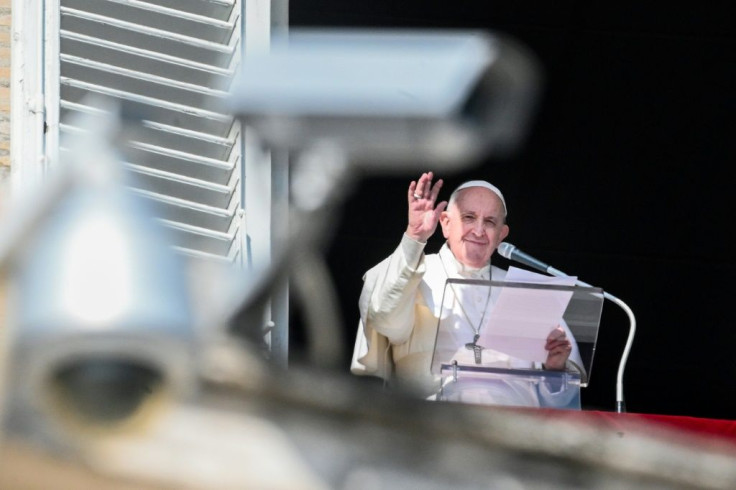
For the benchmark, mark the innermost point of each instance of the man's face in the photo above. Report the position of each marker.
(474, 226)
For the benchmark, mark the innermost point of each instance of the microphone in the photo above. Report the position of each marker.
(512, 253)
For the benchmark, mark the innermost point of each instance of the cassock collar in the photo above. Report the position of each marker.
(455, 267)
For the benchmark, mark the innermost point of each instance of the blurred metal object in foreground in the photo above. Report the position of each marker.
(102, 354)
(101, 326)
(391, 99)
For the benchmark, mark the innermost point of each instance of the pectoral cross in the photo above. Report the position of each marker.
(477, 349)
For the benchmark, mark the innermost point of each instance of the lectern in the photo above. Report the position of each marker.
(489, 347)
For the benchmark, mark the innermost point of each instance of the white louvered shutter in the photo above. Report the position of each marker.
(171, 62)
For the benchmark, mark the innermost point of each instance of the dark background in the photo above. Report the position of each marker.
(623, 180)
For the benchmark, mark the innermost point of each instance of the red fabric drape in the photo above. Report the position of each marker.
(711, 429)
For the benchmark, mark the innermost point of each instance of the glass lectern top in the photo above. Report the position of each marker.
(504, 325)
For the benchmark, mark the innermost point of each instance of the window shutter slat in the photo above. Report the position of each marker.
(171, 62)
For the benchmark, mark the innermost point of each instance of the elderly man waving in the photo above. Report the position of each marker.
(402, 297)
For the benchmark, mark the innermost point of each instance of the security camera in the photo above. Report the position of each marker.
(390, 98)
(104, 390)
(101, 326)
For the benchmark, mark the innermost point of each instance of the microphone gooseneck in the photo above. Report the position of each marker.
(510, 252)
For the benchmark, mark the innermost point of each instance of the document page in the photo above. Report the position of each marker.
(522, 318)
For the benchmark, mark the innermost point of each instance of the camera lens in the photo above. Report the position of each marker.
(105, 391)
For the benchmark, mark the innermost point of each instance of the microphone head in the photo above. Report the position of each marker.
(505, 249)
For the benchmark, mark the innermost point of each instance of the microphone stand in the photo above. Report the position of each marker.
(620, 405)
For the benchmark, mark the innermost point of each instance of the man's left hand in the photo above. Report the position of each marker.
(558, 349)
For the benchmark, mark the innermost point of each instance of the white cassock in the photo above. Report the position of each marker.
(400, 306)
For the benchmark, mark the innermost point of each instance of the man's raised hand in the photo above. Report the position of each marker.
(423, 214)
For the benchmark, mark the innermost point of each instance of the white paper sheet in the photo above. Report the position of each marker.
(522, 318)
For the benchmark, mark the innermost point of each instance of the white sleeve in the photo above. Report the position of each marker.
(390, 289)
(387, 308)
